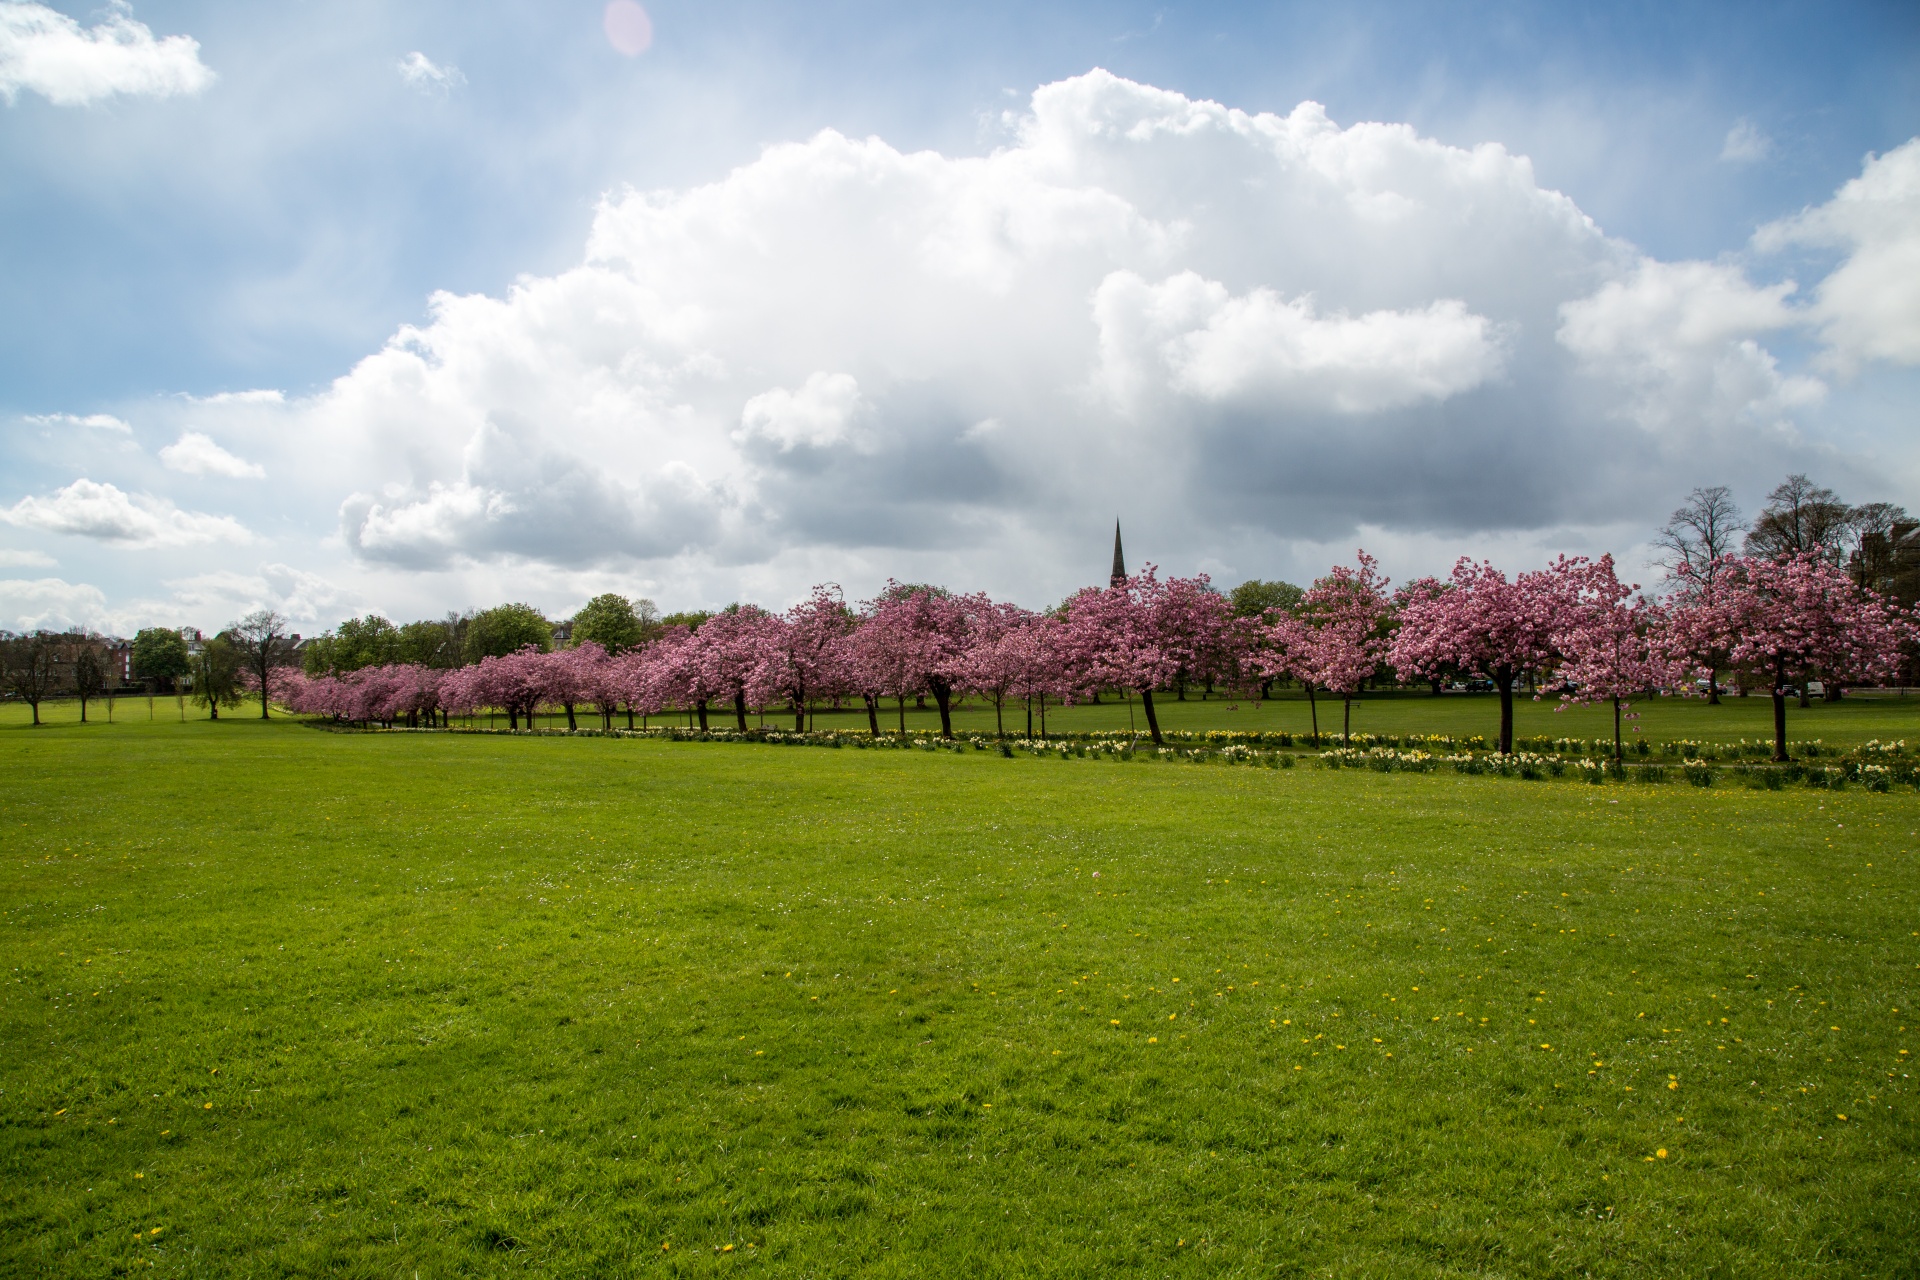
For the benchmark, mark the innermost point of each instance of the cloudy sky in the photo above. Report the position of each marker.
(348, 305)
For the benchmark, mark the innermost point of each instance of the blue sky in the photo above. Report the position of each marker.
(274, 224)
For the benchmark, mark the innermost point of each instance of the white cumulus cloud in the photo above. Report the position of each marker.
(91, 509)
(820, 413)
(50, 604)
(1869, 307)
(842, 359)
(424, 74)
(1685, 337)
(1191, 335)
(196, 454)
(49, 53)
(94, 421)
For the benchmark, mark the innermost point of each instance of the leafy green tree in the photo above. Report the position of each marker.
(616, 623)
(689, 618)
(433, 643)
(215, 673)
(1254, 597)
(160, 655)
(505, 629)
(371, 641)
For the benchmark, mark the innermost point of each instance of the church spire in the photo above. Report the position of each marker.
(1119, 561)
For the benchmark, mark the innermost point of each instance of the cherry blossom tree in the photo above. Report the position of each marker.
(1787, 620)
(1134, 635)
(800, 654)
(1337, 637)
(727, 649)
(915, 637)
(1609, 641)
(997, 657)
(1484, 624)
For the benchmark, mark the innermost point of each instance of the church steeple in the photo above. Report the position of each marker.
(1119, 561)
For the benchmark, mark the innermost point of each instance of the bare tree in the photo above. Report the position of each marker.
(1802, 518)
(1692, 543)
(262, 642)
(1699, 533)
(30, 664)
(89, 670)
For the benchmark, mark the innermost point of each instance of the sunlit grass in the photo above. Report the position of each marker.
(282, 1000)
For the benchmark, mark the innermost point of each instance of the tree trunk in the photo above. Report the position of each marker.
(1043, 718)
(1619, 753)
(83, 708)
(1503, 680)
(901, 699)
(943, 697)
(1780, 712)
(799, 715)
(1346, 721)
(1029, 717)
(999, 721)
(1434, 682)
(1713, 686)
(1313, 710)
(873, 713)
(740, 709)
(629, 717)
(213, 709)
(701, 707)
(572, 724)
(35, 702)
(1153, 721)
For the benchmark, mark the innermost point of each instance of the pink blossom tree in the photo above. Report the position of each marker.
(1131, 635)
(801, 657)
(997, 656)
(1789, 619)
(915, 637)
(1609, 642)
(1483, 623)
(727, 651)
(1338, 636)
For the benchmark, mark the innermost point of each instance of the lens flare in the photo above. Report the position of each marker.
(628, 27)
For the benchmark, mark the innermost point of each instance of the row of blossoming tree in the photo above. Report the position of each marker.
(1574, 627)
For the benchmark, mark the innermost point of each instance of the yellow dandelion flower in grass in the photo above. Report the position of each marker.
(1113, 1022)
(206, 1106)
(1842, 1117)
(1673, 1084)
(1153, 1039)
(1662, 1153)
(726, 1248)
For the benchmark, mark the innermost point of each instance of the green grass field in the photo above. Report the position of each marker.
(283, 1001)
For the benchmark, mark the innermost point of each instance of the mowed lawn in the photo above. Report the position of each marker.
(285, 1001)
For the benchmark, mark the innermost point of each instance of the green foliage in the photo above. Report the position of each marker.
(1254, 597)
(615, 623)
(689, 618)
(160, 655)
(433, 643)
(505, 629)
(1424, 1025)
(215, 673)
(371, 641)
